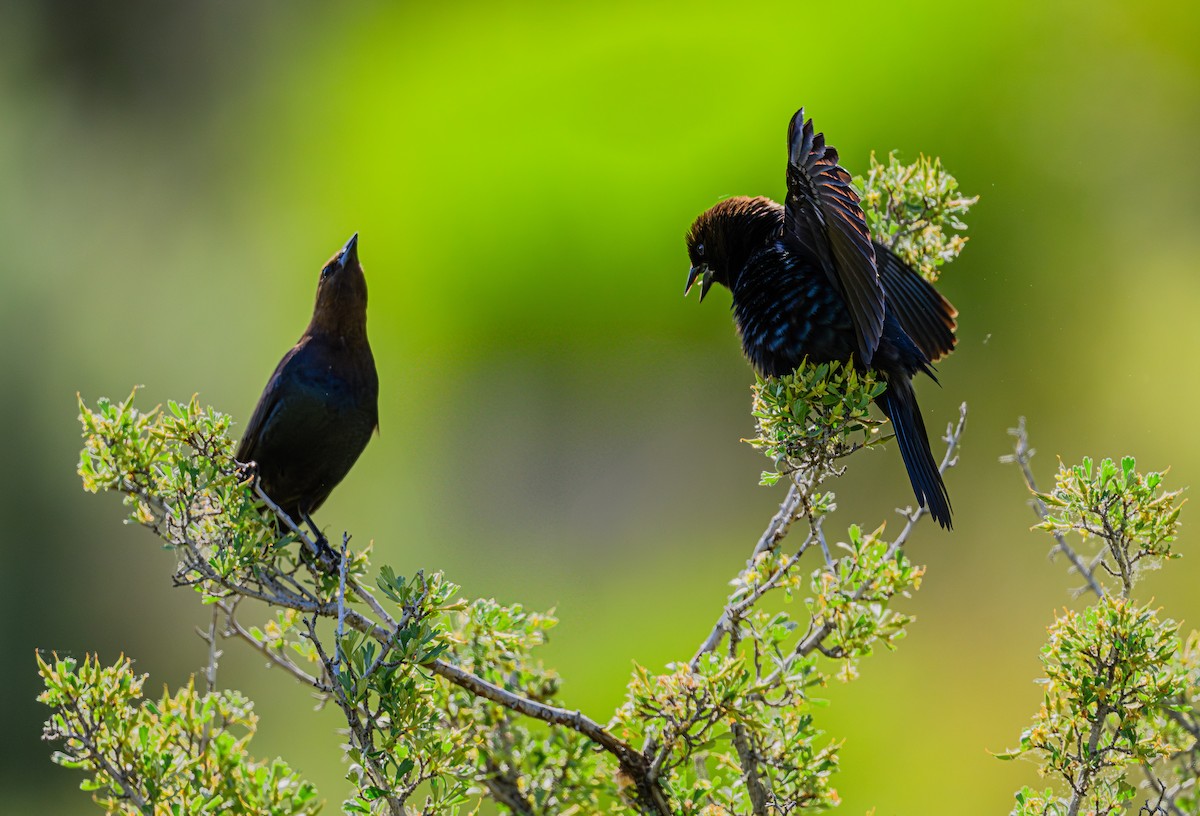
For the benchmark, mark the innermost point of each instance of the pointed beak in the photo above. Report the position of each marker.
(706, 280)
(349, 252)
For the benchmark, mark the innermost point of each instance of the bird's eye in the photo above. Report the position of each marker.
(700, 250)
(326, 272)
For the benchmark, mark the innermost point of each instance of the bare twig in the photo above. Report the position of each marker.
(633, 763)
(1166, 796)
(777, 531)
(1021, 455)
(209, 636)
(339, 653)
(233, 628)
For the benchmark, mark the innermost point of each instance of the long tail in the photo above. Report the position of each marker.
(899, 403)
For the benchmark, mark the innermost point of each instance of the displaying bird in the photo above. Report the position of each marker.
(808, 282)
(321, 405)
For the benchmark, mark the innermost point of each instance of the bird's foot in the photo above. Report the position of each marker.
(326, 555)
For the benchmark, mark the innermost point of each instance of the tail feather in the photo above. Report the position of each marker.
(899, 403)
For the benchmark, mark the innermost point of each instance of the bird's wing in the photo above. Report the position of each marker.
(822, 214)
(267, 403)
(925, 316)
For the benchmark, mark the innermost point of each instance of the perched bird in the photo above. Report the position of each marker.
(321, 405)
(808, 281)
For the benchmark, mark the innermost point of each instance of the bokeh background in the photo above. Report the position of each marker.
(559, 426)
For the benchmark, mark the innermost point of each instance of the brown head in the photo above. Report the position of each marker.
(724, 237)
(341, 306)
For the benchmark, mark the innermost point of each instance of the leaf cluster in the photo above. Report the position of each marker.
(178, 473)
(400, 740)
(1111, 676)
(1119, 684)
(852, 599)
(916, 211)
(1125, 512)
(807, 420)
(185, 753)
(409, 730)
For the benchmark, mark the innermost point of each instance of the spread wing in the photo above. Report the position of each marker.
(925, 316)
(823, 216)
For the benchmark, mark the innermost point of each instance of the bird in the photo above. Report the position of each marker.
(320, 407)
(808, 282)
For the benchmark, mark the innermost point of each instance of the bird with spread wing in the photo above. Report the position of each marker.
(809, 283)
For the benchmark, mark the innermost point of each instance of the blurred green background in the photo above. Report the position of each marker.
(559, 426)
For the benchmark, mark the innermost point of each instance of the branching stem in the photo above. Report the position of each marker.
(1021, 455)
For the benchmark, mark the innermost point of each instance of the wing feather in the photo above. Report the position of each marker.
(926, 316)
(252, 436)
(822, 214)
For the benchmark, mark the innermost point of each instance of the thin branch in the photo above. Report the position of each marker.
(505, 789)
(776, 530)
(340, 633)
(1021, 455)
(233, 628)
(634, 764)
(575, 720)
(359, 733)
(737, 611)
(1166, 796)
(210, 670)
(749, 762)
(85, 739)
(322, 557)
(747, 757)
(815, 639)
(1079, 785)
(214, 654)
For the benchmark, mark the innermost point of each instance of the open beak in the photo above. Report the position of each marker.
(706, 280)
(349, 252)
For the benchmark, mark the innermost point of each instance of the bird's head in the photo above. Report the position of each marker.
(699, 244)
(342, 292)
(722, 239)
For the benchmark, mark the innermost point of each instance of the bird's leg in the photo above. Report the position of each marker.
(324, 552)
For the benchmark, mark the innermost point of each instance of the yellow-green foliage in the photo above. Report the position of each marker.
(819, 413)
(186, 753)
(916, 211)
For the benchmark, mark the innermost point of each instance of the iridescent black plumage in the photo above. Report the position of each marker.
(808, 282)
(320, 407)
